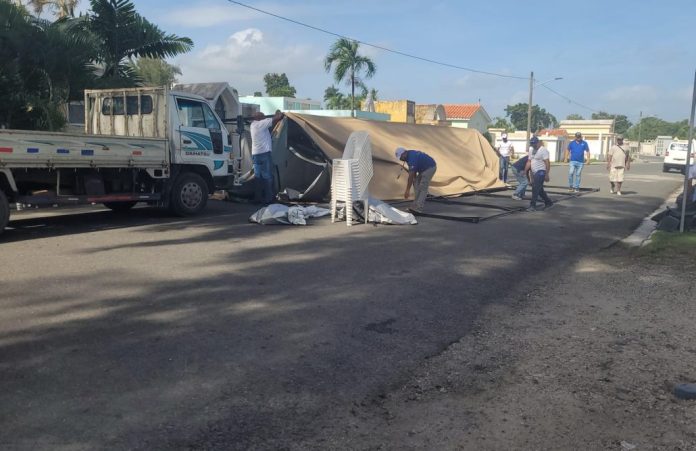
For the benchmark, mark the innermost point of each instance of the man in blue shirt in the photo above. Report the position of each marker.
(579, 153)
(421, 168)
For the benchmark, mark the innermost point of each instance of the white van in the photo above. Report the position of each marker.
(675, 156)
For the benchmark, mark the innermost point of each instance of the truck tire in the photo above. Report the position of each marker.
(189, 194)
(4, 212)
(120, 207)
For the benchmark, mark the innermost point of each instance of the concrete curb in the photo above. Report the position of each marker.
(641, 236)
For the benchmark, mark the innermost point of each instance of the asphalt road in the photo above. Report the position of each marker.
(150, 332)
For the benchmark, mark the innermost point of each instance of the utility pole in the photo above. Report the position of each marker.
(687, 170)
(529, 110)
(640, 120)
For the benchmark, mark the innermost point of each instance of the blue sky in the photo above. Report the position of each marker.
(614, 55)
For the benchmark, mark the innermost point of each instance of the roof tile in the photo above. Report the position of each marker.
(462, 110)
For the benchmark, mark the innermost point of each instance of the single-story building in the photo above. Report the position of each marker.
(432, 114)
(403, 111)
(269, 105)
(468, 115)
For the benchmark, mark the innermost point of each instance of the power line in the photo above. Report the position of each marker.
(571, 100)
(397, 52)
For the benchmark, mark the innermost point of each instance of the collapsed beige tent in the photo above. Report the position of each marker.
(466, 162)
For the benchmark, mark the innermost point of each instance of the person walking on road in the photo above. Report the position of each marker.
(578, 152)
(519, 168)
(540, 165)
(505, 151)
(421, 168)
(261, 146)
(618, 160)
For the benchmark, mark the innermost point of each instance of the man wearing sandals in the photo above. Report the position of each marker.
(618, 160)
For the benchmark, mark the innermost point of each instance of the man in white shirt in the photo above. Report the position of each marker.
(540, 166)
(506, 152)
(618, 159)
(261, 146)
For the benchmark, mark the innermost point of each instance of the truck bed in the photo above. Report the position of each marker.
(34, 149)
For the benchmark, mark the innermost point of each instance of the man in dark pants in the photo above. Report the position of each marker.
(261, 146)
(421, 168)
(540, 165)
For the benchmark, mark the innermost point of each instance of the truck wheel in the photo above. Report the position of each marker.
(190, 194)
(4, 212)
(120, 207)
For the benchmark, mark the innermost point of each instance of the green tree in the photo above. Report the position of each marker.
(621, 122)
(258, 94)
(278, 85)
(501, 122)
(118, 34)
(652, 127)
(347, 64)
(62, 8)
(43, 64)
(335, 100)
(155, 72)
(574, 117)
(540, 117)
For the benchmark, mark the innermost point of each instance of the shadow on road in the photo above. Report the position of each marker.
(275, 337)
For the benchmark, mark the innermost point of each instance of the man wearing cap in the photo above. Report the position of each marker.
(579, 153)
(618, 159)
(540, 166)
(505, 152)
(421, 168)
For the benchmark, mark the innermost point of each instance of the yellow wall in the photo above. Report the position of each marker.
(400, 110)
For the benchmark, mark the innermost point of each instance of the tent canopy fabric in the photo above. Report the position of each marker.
(466, 162)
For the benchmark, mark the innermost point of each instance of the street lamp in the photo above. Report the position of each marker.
(529, 105)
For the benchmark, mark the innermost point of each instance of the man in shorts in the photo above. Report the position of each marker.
(618, 160)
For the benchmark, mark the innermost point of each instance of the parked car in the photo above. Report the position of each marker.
(675, 156)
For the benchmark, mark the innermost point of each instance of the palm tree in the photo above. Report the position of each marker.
(335, 100)
(347, 63)
(63, 8)
(42, 66)
(119, 35)
(156, 72)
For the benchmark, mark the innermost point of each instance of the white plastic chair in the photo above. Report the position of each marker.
(351, 174)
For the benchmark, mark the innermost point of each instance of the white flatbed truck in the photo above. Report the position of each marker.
(151, 145)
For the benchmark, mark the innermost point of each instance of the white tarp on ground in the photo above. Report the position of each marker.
(282, 214)
(380, 212)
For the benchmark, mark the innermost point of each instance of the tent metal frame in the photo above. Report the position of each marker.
(505, 211)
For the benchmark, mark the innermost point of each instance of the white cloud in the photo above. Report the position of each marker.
(244, 58)
(208, 15)
(630, 93)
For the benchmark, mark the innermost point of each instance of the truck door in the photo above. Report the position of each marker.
(200, 135)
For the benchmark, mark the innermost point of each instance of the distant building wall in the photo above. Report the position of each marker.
(269, 105)
(398, 110)
(369, 115)
(554, 144)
